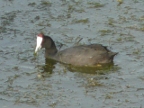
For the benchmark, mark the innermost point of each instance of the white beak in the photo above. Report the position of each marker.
(39, 43)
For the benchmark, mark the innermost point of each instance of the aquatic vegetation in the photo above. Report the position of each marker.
(119, 2)
(108, 96)
(6, 20)
(119, 39)
(46, 3)
(32, 4)
(105, 32)
(95, 5)
(111, 21)
(92, 83)
(28, 81)
(84, 21)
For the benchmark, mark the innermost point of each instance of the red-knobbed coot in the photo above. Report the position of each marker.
(83, 55)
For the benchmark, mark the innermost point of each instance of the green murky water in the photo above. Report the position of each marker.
(113, 23)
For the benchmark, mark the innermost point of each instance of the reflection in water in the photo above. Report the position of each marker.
(47, 69)
(98, 69)
(49, 65)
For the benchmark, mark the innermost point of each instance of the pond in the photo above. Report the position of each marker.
(25, 81)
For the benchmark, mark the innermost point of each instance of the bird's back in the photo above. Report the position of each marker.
(85, 55)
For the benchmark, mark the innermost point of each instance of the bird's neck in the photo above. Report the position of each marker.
(50, 47)
(51, 52)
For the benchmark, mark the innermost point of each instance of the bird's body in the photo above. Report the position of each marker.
(83, 55)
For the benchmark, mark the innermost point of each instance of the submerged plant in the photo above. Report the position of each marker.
(104, 32)
(86, 20)
(95, 5)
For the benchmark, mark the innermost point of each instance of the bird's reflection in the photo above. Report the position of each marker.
(47, 69)
(49, 65)
(98, 69)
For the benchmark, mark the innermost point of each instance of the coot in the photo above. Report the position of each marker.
(83, 55)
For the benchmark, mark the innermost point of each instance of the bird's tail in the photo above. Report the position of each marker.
(112, 54)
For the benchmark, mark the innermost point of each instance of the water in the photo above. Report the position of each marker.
(118, 26)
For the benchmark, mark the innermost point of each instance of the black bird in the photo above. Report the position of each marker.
(83, 55)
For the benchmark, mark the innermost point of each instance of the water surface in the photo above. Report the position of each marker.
(118, 25)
